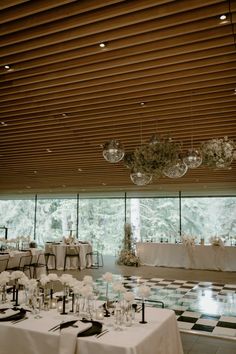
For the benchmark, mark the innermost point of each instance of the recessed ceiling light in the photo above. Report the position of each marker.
(142, 104)
(104, 184)
(28, 187)
(48, 150)
(35, 172)
(80, 169)
(64, 115)
(235, 91)
(4, 124)
(8, 68)
(223, 17)
(102, 45)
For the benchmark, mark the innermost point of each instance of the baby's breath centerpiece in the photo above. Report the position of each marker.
(127, 254)
(218, 153)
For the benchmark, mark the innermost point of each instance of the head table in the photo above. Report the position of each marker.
(160, 335)
(190, 257)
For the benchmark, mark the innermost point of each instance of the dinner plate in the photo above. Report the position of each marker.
(11, 314)
(95, 329)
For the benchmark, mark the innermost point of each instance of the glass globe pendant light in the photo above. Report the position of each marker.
(113, 151)
(193, 158)
(177, 170)
(140, 178)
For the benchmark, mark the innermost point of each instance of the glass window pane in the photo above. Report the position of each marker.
(18, 216)
(206, 217)
(154, 219)
(56, 218)
(101, 221)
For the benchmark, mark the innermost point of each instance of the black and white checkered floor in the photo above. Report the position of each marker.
(200, 307)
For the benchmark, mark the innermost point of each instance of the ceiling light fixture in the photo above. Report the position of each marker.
(113, 151)
(102, 45)
(223, 17)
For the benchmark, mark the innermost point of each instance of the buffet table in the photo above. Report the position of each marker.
(189, 257)
(32, 336)
(60, 250)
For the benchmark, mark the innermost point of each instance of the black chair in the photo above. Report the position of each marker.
(25, 263)
(72, 252)
(95, 257)
(3, 264)
(39, 264)
(48, 256)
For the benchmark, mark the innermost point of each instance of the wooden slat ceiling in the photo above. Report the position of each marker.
(64, 96)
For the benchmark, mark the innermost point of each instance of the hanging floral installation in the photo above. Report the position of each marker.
(161, 156)
(127, 254)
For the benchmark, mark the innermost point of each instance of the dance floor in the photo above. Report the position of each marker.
(201, 307)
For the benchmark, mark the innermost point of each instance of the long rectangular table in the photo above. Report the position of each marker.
(189, 257)
(160, 335)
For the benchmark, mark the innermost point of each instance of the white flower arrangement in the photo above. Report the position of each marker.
(129, 296)
(188, 240)
(53, 277)
(17, 274)
(86, 291)
(118, 287)
(77, 287)
(218, 153)
(127, 255)
(108, 277)
(88, 280)
(144, 291)
(216, 241)
(4, 278)
(44, 280)
(67, 280)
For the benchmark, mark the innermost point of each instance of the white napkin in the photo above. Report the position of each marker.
(68, 337)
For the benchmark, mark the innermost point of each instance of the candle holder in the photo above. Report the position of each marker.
(64, 305)
(143, 313)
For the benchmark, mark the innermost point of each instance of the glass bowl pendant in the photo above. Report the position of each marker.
(140, 178)
(177, 170)
(113, 151)
(193, 158)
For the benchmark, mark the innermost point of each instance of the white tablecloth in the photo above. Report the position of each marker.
(60, 249)
(14, 256)
(159, 336)
(190, 257)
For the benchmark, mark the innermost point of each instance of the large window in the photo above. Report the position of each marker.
(205, 217)
(154, 219)
(18, 217)
(55, 219)
(101, 221)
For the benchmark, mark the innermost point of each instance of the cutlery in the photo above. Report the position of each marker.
(54, 328)
(102, 333)
(20, 320)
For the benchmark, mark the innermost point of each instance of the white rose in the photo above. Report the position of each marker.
(108, 277)
(128, 296)
(144, 291)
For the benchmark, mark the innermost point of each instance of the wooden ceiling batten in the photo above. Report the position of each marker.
(66, 94)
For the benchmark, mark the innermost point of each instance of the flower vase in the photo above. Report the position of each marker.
(128, 315)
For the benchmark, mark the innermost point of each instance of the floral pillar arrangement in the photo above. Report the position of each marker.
(127, 254)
